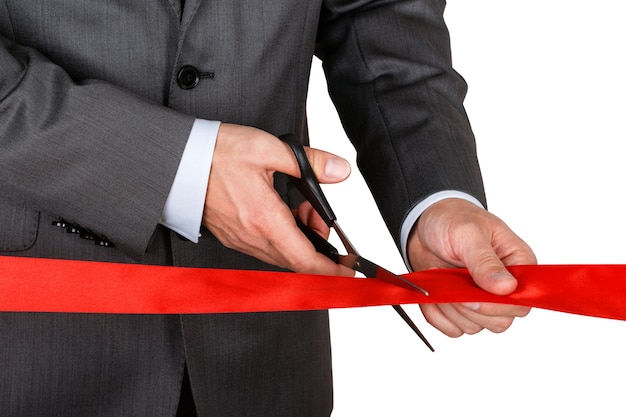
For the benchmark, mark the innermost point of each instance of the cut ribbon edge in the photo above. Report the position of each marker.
(64, 286)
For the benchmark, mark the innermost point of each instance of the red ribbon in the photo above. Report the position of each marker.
(49, 285)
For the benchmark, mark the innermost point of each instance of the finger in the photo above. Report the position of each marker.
(485, 266)
(436, 318)
(516, 252)
(329, 168)
(495, 310)
(300, 254)
(310, 217)
(468, 323)
(289, 249)
(501, 247)
(455, 320)
(494, 317)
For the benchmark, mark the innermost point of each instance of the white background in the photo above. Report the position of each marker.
(546, 101)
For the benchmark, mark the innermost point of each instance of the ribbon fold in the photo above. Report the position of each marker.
(51, 285)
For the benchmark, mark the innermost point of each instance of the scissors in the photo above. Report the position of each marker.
(310, 188)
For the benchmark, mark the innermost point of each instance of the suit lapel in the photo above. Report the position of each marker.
(177, 7)
(188, 11)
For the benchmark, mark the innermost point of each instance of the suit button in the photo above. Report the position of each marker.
(188, 77)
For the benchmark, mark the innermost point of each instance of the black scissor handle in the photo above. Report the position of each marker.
(308, 184)
(321, 245)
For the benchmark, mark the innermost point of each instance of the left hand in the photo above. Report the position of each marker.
(456, 233)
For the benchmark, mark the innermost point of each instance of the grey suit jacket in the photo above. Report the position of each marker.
(92, 126)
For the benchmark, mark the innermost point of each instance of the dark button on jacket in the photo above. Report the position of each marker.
(188, 77)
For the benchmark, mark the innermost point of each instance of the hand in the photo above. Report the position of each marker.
(456, 233)
(309, 216)
(245, 213)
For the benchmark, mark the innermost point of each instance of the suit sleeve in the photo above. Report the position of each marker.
(389, 72)
(89, 152)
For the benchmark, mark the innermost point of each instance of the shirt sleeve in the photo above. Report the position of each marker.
(417, 211)
(184, 206)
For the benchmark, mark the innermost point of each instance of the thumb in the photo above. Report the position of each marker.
(488, 271)
(329, 168)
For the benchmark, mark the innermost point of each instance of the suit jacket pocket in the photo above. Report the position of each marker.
(18, 226)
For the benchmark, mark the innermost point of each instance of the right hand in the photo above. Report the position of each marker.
(244, 211)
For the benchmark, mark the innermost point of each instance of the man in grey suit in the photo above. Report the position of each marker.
(151, 127)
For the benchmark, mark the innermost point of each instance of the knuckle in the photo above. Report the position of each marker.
(254, 223)
(453, 333)
(467, 225)
(302, 263)
(473, 329)
(501, 325)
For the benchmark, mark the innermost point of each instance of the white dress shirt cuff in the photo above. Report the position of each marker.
(417, 211)
(185, 204)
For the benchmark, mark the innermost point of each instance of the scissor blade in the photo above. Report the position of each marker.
(371, 270)
(412, 325)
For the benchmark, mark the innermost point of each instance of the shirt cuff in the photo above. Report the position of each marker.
(184, 206)
(417, 211)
